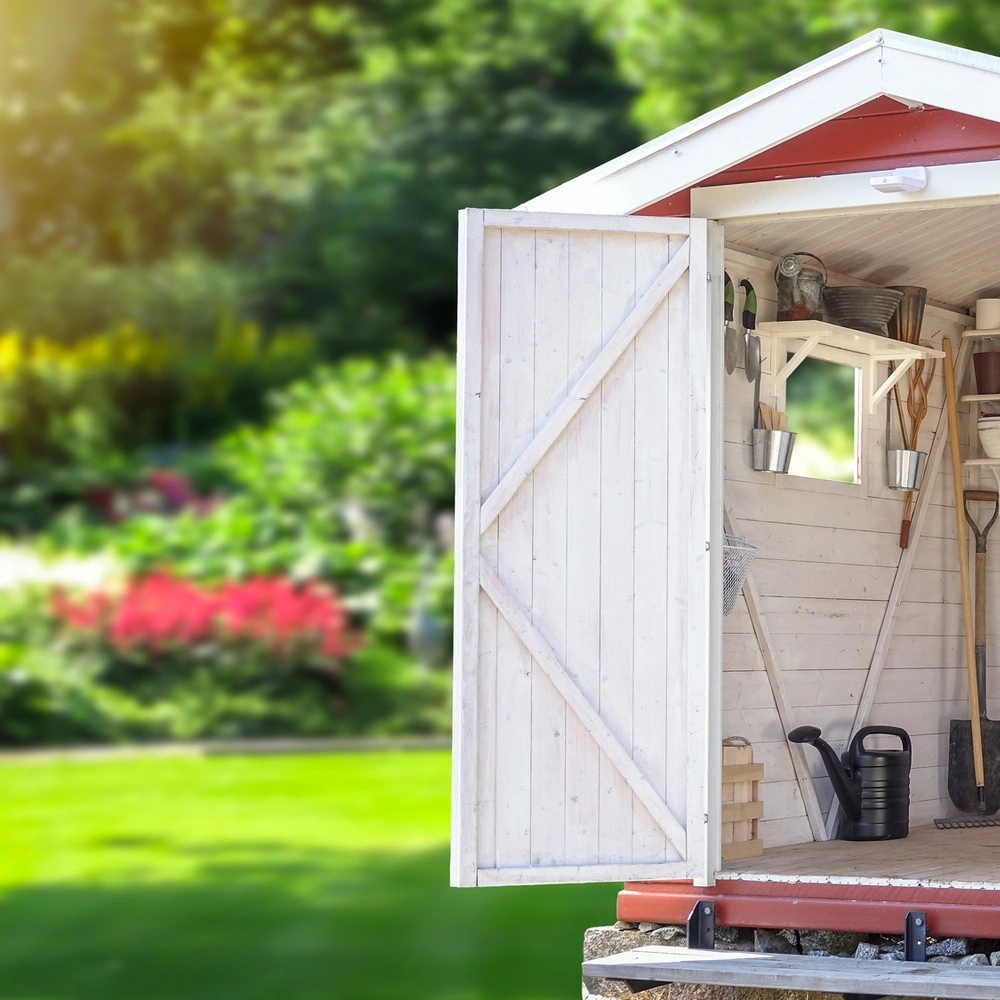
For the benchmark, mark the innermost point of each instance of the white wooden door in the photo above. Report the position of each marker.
(588, 591)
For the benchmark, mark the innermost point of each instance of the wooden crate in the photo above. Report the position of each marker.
(742, 808)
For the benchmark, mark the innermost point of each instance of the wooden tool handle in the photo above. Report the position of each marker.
(963, 565)
(990, 496)
(904, 534)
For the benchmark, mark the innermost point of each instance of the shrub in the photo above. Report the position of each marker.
(75, 417)
(150, 662)
(351, 482)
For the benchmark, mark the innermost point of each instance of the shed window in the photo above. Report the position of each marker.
(822, 405)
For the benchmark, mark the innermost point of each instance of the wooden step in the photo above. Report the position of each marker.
(644, 968)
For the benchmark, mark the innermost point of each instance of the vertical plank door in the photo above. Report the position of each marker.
(588, 564)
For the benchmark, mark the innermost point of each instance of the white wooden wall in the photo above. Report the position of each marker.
(826, 559)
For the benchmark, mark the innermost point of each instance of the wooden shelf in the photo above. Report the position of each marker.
(981, 462)
(979, 334)
(814, 333)
(980, 398)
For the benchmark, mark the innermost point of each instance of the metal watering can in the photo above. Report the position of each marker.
(873, 785)
(800, 288)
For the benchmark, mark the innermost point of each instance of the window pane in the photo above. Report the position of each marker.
(820, 402)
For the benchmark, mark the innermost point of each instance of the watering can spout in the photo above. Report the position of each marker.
(847, 787)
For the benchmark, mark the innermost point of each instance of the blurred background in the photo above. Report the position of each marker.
(227, 299)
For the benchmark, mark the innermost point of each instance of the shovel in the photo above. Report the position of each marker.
(962, 786)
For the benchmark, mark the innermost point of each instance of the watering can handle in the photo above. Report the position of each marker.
(859, 737)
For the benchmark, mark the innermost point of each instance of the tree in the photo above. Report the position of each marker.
(689, 56)
(324, 146)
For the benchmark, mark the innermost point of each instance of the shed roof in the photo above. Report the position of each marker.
(912, 71)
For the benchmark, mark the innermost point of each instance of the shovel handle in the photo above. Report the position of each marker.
(980, 600)
(963, 564)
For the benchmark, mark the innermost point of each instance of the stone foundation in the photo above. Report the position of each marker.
(599, 942)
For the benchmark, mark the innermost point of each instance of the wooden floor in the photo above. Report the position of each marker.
(968, 859)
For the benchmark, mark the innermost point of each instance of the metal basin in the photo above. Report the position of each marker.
(861, 308)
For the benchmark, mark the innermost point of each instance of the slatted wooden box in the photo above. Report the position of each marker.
(742, 808)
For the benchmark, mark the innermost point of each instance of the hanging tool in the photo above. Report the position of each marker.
(976, 740)
(752, 361)
(749, 325)
(921, 379)
(732, 336)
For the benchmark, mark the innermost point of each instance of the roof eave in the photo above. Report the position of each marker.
(821, 90)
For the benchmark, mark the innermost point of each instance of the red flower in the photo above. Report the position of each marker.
(158, 612)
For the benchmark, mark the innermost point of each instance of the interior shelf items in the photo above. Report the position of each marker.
(876, 348)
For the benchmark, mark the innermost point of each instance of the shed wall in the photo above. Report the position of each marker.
(827, 557)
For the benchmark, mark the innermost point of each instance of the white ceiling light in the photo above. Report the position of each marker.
(901, 179)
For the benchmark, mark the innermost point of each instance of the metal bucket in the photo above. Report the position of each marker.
(800, 288)
(904, 470)
(905, 322)
(772, 450)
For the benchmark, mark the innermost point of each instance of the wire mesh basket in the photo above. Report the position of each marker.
(737, 554)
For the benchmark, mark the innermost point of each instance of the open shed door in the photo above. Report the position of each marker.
(588, 591)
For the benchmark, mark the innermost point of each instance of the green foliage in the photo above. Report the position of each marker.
(74, 415)
(689, 57)
(821, 401)
(46, 696)
(323, 147)
(379, 435)
(56, 689)
(69, 297)
(351, 481)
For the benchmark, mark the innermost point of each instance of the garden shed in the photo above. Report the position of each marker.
(605, 452)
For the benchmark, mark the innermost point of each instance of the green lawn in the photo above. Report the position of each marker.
(244, 878)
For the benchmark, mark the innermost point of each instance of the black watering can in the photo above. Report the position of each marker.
(873, 785)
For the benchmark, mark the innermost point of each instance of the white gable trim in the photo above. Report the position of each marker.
(881, 63)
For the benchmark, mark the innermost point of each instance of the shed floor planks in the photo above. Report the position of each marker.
(927, 857)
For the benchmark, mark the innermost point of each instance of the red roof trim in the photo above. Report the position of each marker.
(879, 135)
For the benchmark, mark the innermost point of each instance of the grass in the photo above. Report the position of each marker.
(248, 878)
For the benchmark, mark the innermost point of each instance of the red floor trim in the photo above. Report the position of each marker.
(864, 909)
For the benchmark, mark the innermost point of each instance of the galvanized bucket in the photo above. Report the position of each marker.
(772, 450)
(800, 288)
(904, 469)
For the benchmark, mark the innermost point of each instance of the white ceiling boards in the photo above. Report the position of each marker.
(950, 252)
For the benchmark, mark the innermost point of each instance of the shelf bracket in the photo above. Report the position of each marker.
(797, 358)
(903, 366)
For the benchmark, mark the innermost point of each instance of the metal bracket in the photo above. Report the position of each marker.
(701, 925)
(641, 985)
(914, 945)
(915, 936)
